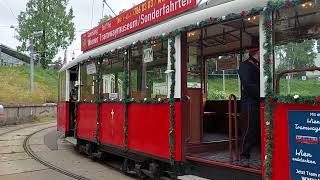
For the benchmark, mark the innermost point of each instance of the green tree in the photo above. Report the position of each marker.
(296, 55)
(105, 18)
(54, 20)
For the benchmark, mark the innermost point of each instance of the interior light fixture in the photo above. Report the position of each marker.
(191, 34)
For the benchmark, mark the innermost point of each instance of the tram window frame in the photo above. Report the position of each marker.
(306, 32)
(107, 67)
(251, 24)
(157, 67)
(62, 86)
(88, 92)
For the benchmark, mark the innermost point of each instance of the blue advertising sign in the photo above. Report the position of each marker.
(304, 144)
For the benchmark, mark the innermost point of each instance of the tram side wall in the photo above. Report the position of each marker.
(18, 114)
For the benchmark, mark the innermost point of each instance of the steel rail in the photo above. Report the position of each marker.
(26, 127)
(32, 154)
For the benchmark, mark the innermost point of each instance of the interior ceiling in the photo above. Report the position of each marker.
(225, 37)
(297, 24)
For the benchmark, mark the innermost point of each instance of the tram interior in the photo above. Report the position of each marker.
(214, 56)
(73, 96)
(149, 79)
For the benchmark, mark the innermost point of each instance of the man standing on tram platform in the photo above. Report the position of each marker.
(249, 73)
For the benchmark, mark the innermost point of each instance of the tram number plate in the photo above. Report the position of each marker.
(147, 55)
(304, 141)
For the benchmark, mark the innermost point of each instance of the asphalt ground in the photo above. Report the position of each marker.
(16, 164)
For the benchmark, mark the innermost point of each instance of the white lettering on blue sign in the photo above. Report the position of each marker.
(304, 144)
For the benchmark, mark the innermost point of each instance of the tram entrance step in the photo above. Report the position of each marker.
(191, 177)
(71, 140)
(221, 159)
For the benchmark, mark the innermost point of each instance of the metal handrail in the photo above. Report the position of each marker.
(233, 111)
(277, 85)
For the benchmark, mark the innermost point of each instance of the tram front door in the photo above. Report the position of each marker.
(73, 98)
(214, 54)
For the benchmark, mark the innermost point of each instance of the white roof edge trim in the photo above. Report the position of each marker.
(172, 24)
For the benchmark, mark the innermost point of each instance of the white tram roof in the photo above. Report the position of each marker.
(212, 8)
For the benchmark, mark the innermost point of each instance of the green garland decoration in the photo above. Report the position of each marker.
(126, 96)
(271, 98)
(315, 101)
(172, 100)
(269, 108)
(138, 101)
(98, 102)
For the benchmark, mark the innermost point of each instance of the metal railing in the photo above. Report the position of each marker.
(233, 114)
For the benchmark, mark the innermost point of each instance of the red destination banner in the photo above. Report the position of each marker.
(145, 14)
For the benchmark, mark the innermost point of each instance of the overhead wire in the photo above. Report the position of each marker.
(92, 6)
(102, 8)
(8, 7)
(109, 7)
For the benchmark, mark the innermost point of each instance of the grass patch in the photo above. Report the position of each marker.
(297, 86)
(14, 85)
(215, 88)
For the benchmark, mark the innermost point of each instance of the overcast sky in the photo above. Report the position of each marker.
(87, 15)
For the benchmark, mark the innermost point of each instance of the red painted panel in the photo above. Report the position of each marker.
(263, 138)
(281, 161)
(148, 129)
(112, 124)
(63, 116)
(178, 131)
(87, 121)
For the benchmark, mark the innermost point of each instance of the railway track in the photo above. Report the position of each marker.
(32, 154)
(27, 148)
(25, 127)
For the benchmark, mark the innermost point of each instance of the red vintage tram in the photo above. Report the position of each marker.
(158, 85)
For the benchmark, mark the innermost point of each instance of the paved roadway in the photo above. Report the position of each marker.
(15, 164)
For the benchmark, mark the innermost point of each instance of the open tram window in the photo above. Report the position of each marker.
(112, 72)
(223, 78)
(215, 54)
(89, 84)
(62, 86)
(296, 35)
(148, 66)
(194, 60)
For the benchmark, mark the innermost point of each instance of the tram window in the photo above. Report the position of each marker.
(62, 86)
(194, 60)
(215, 53)
(89, 86)
(194, 68)
(113, 76)
(297, 33)
(148, 71)
(223, 78)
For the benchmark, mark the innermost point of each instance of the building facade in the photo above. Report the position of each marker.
(11, 57)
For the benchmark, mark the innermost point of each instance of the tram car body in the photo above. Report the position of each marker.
(125, 96)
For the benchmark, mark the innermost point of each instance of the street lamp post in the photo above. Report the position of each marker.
(36, 34)
(31, 66)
